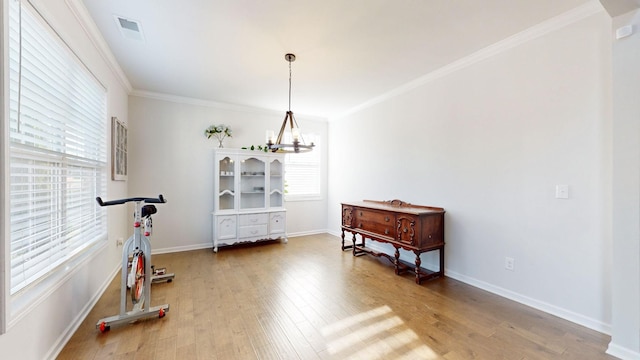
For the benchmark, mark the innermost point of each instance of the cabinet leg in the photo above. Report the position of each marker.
(441, 251)
(215, 249)
(342, 239)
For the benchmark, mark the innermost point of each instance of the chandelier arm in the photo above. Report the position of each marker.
(281, 133)
(291, 119)
(294, 121)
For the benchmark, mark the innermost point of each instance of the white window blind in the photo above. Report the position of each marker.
(302, 171)
(57, 150)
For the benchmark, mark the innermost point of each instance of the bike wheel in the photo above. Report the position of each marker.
(137, 268)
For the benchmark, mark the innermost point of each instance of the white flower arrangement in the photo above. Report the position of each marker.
(219, 132)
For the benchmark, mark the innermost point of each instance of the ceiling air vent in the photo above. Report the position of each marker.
(130, 29)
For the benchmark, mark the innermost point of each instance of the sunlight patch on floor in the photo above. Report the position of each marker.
(377, 334)
(354, 320)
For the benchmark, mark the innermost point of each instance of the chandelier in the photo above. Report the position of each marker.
(298, 144)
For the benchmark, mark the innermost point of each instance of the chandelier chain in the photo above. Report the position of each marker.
(289, 85)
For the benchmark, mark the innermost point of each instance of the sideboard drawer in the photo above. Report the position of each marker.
(252, 231)
(253, 219)
(375, 221)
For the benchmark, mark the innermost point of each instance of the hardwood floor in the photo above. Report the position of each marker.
(308, 300)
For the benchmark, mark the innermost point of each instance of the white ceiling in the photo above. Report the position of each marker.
(348, 51)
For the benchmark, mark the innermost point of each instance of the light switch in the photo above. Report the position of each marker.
(562, 191)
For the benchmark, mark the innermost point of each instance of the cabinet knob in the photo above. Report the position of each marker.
(386, 231)
(386, 218)
(405, 230)
(360, 225)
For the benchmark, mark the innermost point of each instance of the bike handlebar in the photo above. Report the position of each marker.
(159, 200)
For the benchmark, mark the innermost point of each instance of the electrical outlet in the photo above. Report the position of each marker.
(119, 241)
(509, 263)
(562, 191)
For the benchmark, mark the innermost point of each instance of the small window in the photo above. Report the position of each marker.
(302, 171)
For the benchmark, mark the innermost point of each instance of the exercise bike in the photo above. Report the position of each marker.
(137, 271)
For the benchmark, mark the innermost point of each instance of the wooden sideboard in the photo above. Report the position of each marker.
(405, 226)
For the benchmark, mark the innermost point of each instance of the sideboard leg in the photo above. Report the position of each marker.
(353, 239)
(418, 262)
(441, 251)
(396, 261)
(342, 239)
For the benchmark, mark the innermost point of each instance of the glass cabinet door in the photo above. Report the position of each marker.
(276, 177)
(226, 184)
(252, 180)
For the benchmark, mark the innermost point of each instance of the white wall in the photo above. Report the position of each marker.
(41, 331)
(169, 155)
(625, 339)
(488, 140)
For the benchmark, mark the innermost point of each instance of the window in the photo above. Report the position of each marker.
(57, 153)
(302, 171)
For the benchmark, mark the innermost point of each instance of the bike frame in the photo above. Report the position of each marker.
(137, 241)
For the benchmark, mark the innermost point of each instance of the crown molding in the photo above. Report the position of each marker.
(89, 26)
(199, 102)
(536, 31)
(215, 104)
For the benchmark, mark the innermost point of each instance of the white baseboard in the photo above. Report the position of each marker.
(622, 352)
(207, 245)
(82, 315)
(534, 303)
(305, 233)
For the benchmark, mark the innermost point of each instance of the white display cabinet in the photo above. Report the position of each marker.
(248, 197)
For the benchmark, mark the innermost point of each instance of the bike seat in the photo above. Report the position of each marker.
(148, 210)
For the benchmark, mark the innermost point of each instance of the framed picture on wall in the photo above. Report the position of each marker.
(118, 149)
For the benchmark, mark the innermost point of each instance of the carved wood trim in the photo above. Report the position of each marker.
(347, 217)
(396, 203)
(404, 229)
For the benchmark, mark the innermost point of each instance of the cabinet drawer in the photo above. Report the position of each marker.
(277, 223)
(252, 231)
(253, 219)
(375, 221)
(225, 227)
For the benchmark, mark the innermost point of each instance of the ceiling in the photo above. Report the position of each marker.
(348, 51)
